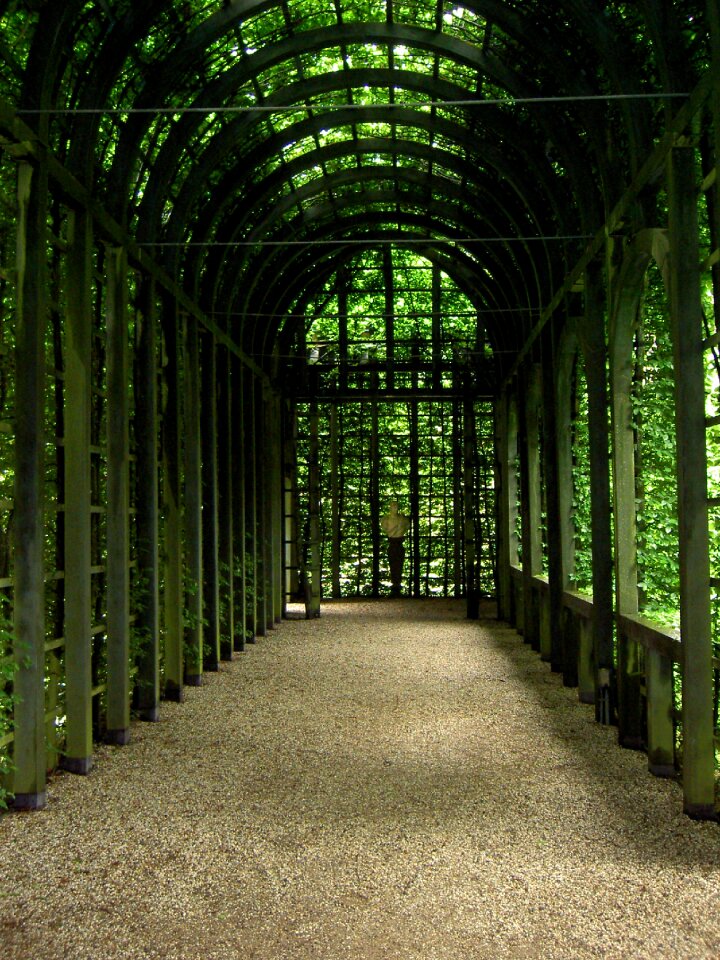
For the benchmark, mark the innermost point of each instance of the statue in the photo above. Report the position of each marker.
(395, 525)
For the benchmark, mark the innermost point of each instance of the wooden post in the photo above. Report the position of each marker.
(193, 508)
(414, 501)
(335, 501)
(29, 783)
(552, 647)
(275, 506)
(458, 508)
(686, 314)
(314, 573)
(226, 557)
(263, 578)
(252, 581)
(375, 494)
(592, 333)
(209, 448)
(147, 680)
(531, 502)
(292, 524)
(436, 328)
(118, 499)
(343, 329)
(472, 596)
(78, 618)
(172, 532)
(237, 401)
(502, 507)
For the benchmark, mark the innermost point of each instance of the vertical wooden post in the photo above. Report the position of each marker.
(29, 782)
(172, 509)
(592, 334)
(225, 505)
(531, 505)
(209, 449)
(502, 507)
(118, 499)
(292, 524)
(78, 619)
(472, 595)
(275, 506)
(193, 508)
(261, 551)
(314, 573)
(343, 330)
(458, 522)
(415, 500)
(252, 580)
(686, 314)
(335, 500)
(147, 681)
(375, 496)
(237, 401)
(552, 645)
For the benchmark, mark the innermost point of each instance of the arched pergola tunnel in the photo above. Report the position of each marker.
(267, 265)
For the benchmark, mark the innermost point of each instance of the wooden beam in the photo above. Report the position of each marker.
(686, 313)
(78, 755)
(117, 518)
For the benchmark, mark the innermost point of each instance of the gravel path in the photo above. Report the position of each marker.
(390, 782)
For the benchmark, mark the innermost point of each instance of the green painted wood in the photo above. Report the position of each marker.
(118, 498)
(226, 556)
(194, 631)
(147, 601)
(531, 502)
(209, 470)
(686, 313)
(457, 492)
(314, 571)
(293, 548)
(78, 754)
(552, 646)
(592, 333)
(29, 758)
(262, 533)
(237, 400)
(251, 539)
(472, 595)
(335, 501)
(374, 498)
(502, 507)
(173, 654)
(389, 289)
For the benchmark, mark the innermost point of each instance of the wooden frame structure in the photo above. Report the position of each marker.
(185, 189)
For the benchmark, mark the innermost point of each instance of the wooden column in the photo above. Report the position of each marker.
(274, 507)
(472, 596)
(458, 524)
(237, 402)
(252, 583)
(592, 335)
(414, 501)
(193, 509)
(29, 783)
(502, 507)
(226, 556)
(314, 569)
(531, 505)
(436, 329)
(553, 642)
(147, 680)
(264, 603)
(686, 318)
(209, 450)
(118, 499)
(78, 616)
(335, 501)
(292, 524)
(172, 509)
(375, 495)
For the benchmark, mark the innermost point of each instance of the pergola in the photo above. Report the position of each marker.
(191, 190)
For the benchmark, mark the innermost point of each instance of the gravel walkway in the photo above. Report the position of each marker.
(391, 781)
